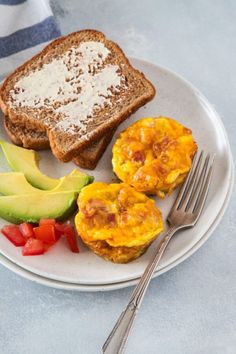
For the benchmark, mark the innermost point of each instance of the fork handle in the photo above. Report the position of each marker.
(117, 339)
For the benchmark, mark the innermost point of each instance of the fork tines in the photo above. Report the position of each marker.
(193, 193)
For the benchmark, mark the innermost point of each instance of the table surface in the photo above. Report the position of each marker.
(190, 309)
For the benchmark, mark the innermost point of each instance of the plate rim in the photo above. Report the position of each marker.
(211, 228)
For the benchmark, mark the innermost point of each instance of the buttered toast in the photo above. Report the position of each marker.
(78, 88)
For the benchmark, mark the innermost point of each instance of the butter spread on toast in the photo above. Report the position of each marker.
(74, 85)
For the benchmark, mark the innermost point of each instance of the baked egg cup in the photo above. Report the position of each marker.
(154, 155)
(116, 222)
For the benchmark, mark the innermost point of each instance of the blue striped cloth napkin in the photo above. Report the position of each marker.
(26, 26)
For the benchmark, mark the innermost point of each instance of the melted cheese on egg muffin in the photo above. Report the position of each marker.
(154, 155)
(118, 215)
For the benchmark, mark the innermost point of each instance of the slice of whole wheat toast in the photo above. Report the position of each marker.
(26, 137)
(89, 157)
(77, 89)
(38, 140)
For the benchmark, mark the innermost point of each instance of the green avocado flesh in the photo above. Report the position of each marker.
(29, 195)
(33, 207)
(15, 183)
(26, 161)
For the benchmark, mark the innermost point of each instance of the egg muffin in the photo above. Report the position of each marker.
(154, 155)
(116, 222)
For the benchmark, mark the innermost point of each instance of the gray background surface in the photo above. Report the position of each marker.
(191, 309)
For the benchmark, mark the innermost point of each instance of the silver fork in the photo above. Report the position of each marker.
(184, 213)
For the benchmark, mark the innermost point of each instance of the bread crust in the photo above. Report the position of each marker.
(24, 139)
(87, 159)
(17, 116)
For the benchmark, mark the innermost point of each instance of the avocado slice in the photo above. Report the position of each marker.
(15, 183)
(33, 207)
(72, 183)
(26, 161)
(78, 173)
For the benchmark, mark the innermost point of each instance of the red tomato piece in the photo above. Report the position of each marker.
(45, 233)
(12, 232)
(57, 234)
(47, 222)
(33, 247)
(65, 229)
(60, 228)
(70, 234)
(27, 230)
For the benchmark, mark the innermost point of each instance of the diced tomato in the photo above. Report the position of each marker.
(67, 230)
(37, 240)
(26, 229)
(58, 235)
(71, 238)
(47, 222)
(60, 227)
(45, 233)
(33, 247)
(12, 232)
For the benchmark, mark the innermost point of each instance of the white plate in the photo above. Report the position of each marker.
(108, 287)
(178, 99)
